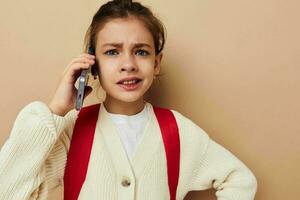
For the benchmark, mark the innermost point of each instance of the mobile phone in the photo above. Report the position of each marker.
(83, 80)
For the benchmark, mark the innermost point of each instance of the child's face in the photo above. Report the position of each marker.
(125, 48)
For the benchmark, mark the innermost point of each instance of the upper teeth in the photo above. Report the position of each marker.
(129, 82)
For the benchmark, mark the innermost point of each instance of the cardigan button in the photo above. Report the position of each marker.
(125, 181)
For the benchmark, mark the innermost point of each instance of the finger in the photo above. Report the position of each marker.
(73, 73)
(86, 55)
(83, 60)
(75, 66)
(80, 62)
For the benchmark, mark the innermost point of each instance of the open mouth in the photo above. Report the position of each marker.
(130, 82)
(130, 85)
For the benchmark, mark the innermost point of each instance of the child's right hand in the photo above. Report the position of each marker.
(65, 95)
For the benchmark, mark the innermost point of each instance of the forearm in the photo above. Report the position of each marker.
(22, 157)
(227, 174)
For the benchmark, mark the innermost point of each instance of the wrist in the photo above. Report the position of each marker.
(56, 110)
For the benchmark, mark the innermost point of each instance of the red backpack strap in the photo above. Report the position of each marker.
(79, 151)
(170, 135)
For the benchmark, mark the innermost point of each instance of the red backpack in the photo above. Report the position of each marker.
(81, 146)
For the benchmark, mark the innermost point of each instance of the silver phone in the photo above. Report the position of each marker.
(83, 80)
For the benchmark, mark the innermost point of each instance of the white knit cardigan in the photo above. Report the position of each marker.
(32, 161)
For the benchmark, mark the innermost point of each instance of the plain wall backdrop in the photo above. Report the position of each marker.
(231, 66)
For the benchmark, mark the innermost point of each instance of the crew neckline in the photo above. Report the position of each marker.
(135, 116)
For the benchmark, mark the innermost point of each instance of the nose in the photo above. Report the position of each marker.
(128, 63)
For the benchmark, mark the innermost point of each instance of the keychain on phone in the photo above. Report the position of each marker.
(83, 80)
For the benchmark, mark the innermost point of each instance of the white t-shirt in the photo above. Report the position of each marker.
(130, 129)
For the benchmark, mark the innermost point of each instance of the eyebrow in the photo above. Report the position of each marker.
(119, 45)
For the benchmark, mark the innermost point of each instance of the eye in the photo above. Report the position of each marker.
(141, 52)
(111, 52)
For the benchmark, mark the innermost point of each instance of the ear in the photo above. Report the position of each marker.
(158, 59)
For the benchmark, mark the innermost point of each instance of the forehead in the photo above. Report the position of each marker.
(128, 30)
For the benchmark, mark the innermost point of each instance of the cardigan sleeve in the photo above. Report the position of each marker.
(32, 159)
(220, 169)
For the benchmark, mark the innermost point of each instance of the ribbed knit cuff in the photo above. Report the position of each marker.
(38, 113)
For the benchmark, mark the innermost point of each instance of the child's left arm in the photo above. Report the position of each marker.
(220, 169)
(206, 164)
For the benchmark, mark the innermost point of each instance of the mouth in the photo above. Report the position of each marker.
(130, 84)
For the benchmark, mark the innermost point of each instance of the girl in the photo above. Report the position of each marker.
(129, 154)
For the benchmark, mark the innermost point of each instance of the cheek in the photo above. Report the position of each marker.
(105, 75)
(106, 68)
(146, 65)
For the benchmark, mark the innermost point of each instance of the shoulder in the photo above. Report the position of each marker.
(190, 133)
(183, 122)
(194, 141)
(188, 127)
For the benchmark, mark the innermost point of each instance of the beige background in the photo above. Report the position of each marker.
(231, 66)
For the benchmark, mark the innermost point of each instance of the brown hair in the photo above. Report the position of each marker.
(124, 9)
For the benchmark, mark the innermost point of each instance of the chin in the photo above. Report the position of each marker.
(130, 99)
(126, 97)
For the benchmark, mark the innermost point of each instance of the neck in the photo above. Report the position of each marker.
(124, 108)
